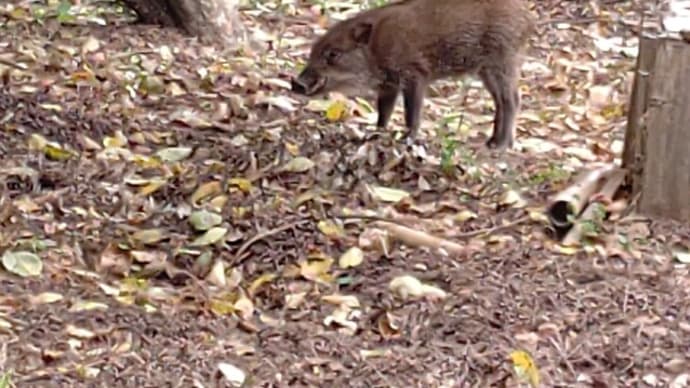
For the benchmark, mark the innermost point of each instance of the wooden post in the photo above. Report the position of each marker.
(657, 138)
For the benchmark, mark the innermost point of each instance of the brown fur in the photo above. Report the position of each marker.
(406, 45)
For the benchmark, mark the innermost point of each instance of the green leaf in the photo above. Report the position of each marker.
(212, 236)
(22, 263)
(204, 220)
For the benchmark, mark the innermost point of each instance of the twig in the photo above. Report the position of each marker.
(493, 229)
(12, 64)
(237, 258)
(369, 218)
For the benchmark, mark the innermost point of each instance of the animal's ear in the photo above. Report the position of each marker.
(361, 32)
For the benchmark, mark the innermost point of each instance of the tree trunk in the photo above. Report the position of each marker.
(210, 20)
(657, 137)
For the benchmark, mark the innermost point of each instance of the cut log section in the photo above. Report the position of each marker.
(657, 139)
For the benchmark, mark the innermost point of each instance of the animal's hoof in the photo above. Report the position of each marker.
(499, 144)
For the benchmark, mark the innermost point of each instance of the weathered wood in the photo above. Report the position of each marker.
(657, 149)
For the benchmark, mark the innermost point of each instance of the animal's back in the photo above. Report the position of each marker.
(445, 37)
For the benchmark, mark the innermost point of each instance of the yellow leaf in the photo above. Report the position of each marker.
(152, 186)
(315, 269)
(330, 229)
(222, 307)
(144, 161)
(305, 197)
(566, 250)
(465, 215)
(261, 280)
(117, 141)
(525, 367)
(245, 185)
(336, 111)
(56, 152)
(351, 258)
(240, 212)
(217, 203)
(206, 190)
(292, 148)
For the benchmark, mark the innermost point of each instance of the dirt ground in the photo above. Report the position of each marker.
(117, 307)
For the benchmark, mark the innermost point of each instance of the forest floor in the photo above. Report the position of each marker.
(120, 144)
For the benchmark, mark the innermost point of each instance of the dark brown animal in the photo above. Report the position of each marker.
(404, 46)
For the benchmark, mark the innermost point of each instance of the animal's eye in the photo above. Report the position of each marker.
(332, 56)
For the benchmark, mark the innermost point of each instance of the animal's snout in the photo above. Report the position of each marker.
(308, 82)
(298, 86)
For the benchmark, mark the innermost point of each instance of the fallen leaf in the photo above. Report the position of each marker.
(204, 220)
(682, 257)
(298, 165)
(217, 274)
(336, 111)
(87, 305)
(293, 301)
(512, 198)
(350, 301)
(386, 194)
(79, 332)
(351, 258)
(245, 185)
(56, 152)
(234, 375)
(45, 298)
(407, 286)
(330, 229)
(465, 215)
(341, 317)
(211, 236)
(149, 236)
(22, 263)
(261, 280)
(174, 154)
(245, 307)
(525, 367)
(315, 270)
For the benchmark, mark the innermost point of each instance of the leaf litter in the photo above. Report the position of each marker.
(181, 215)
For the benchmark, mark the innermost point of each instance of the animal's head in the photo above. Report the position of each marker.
(338, 61)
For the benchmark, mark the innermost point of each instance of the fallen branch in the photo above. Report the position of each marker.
(419, 238)
(569, 203)
(493, 229)
(238, 257)
(603, 196)
(18, 65)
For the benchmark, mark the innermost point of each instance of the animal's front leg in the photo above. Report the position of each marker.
(385, 104)
(413, 98)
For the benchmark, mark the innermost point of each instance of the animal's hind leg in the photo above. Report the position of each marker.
(501, 81)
